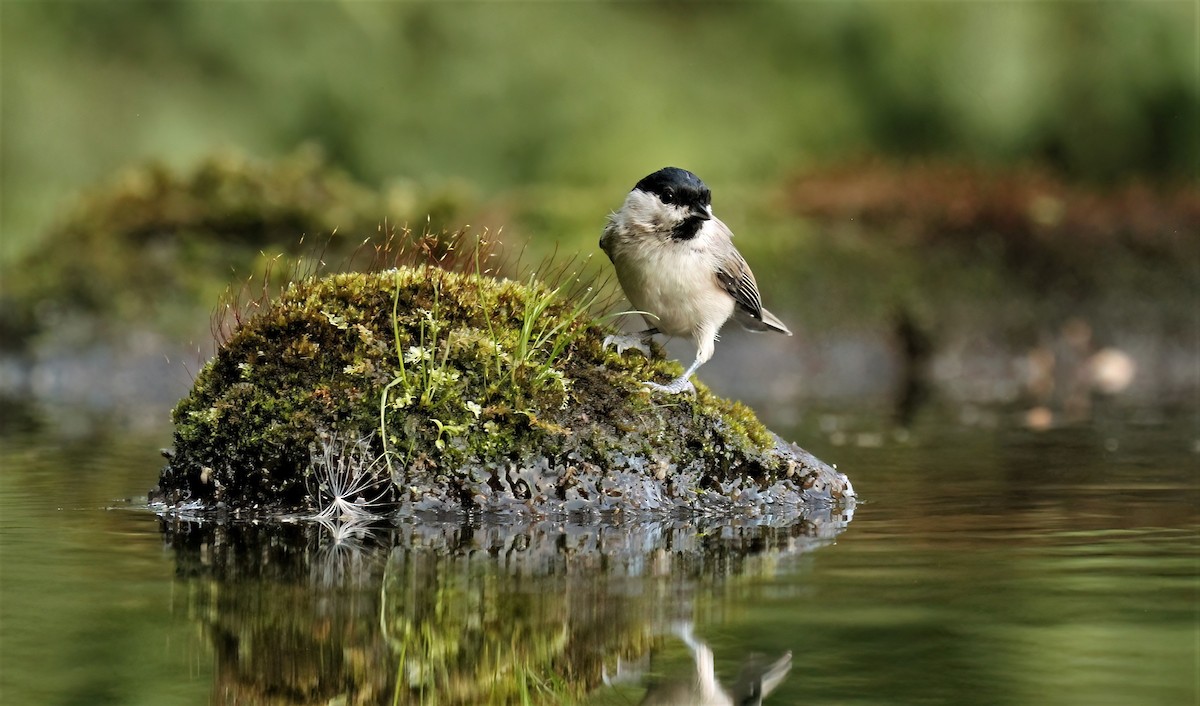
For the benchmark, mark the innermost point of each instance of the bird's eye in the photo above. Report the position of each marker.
(668, 196)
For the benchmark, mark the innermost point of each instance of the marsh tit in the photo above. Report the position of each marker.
(677, 265)
(700, 686)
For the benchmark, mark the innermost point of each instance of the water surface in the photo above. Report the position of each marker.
(986, 564)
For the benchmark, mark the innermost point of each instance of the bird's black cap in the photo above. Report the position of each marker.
(675, 185)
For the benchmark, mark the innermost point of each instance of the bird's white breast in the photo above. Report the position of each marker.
(674, 281)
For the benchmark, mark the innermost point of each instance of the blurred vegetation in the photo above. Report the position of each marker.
(159, 247)
(1021, 235)
(565, 105)
(938, 174)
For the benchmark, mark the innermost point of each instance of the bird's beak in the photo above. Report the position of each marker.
(702, 212)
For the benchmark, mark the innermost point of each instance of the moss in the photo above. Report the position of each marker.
(152, 244)
(475, 393)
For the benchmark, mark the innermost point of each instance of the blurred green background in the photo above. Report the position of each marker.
(904, 177)
(573, 99)
(980, 193)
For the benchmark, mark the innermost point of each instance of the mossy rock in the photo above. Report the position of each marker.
(155, 245)
(423, 390)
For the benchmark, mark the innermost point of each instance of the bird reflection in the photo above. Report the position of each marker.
(755, 681)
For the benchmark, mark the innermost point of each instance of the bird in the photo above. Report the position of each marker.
(700, 686)
(678, 267)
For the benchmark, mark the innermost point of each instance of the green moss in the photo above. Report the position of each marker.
(155, 245)
(458, 379)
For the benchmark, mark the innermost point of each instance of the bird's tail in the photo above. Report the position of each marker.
(768, 322)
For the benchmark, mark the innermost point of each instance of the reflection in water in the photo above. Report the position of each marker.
(539, 612)
(699, 686)
(1067, 373)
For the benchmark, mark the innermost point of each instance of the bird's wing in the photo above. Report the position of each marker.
(607, 236)
(735, 276)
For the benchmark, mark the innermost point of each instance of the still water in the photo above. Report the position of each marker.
(986, 564)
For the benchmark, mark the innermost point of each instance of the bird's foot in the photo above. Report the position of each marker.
(675, 387)
(622, 342)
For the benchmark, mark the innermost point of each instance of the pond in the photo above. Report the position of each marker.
(985, 564)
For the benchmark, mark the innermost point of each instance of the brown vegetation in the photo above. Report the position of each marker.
(1029, 208)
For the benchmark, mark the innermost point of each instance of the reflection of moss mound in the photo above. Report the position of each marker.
(153, 243)
(492, 395)
(458, 613)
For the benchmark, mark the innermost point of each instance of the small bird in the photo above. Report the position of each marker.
(677, 265)
(701, 687)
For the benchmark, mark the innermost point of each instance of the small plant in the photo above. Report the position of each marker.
(345, 480)
(424, 378)
(512, 363)
(543, 340)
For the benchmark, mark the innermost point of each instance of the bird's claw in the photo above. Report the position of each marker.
(675, 387)
(623, 343)
(641, 342)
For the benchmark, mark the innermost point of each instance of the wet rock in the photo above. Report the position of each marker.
(419, 391)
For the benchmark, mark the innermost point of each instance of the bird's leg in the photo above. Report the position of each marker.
(638, 341)
(678, 385)
(703, 656)
(704, 349)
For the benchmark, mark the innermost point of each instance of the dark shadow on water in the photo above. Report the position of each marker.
(464, 612)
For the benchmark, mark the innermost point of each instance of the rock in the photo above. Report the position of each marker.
(420, 390)
(153, 245)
